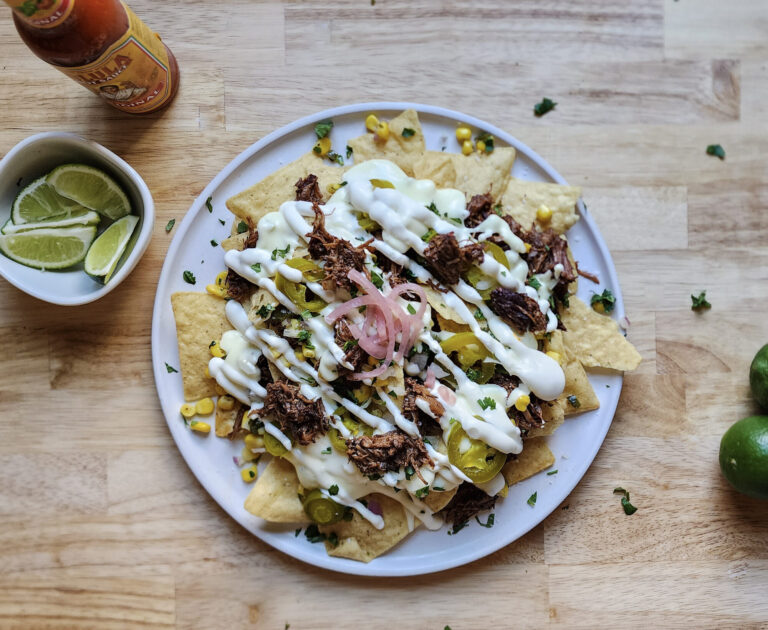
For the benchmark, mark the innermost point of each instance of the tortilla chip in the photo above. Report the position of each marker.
(436, 501)
(359, 540)
(235, 241)
(225, 419)
(260, 297)
(473, 174)
(200, 319)
(535, 457)
(437, 302)
(401, 150)
(394, 381)
(553, 413)
(595, 339)
(280, 186)
(522, 199)
(274, 497)
(576, 380)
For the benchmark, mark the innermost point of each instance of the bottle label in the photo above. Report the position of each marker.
(42, 13)
(133, 74)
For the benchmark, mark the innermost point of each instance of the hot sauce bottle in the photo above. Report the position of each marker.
(103, 46)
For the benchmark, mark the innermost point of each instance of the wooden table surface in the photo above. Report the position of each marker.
(102, 525)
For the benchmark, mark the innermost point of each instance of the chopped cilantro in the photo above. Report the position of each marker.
(333, 490)
(546, 105)
(457, 528)
(532, 499)
(487, 139)
(309, 380)
(573, 401)
(438, 488)
(497, 209)
(313, 534)
(422, 492)
(409, 275)
(409, 472)
(486, 403)
(296, 535)
(170, 369)
(333, 539)
(349, 344)
(208, 204)
(323, 128)
(534, 282)
(456, 220)
(317, 149)
(326, 451)
(716, 150)
(606, 300)
(473, 374)
(552, 472)
(629, 509)
(488, 523)
(427, 236)
(222, 221)
(335, 157)
(374, 477)
(169, 225)
(242, 227)
(305, 337)
(349, 153)
(408, 132)
(479, 315)
(699, 303)
(411, 310)
(189, 277)
(213, 343)
(265, 310)
(256, 267)
(377, 280)
(214, 243)
(280, 253)
(433, 208)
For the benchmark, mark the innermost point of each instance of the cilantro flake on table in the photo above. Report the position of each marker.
(546, 105)
(699, 303)
(169, 225)
(629, 509)
(716, 150)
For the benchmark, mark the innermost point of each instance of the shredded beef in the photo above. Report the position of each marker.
(587, 275)
(355, 354)
(547, 250)
(446, 260)
(238, 288)
(396, 272)
(532, 417)
(263, 365)
(339, 255)
(479, 208)
(303, 418)
(385, 452)
(468, 502)
(521, 311)
(307, 189)
(426, 423)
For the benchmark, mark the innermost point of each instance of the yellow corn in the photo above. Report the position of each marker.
(188, 410)
(466, 147)
(480, 146)
(554, 355)
(527, 247)
(362, 393)
(522, 402)
(249, 473)
(382, 131)
(322, 147)
(371, 122)
(307, 352)
(253, 441)
(217, 350)
(332, 188)
(246, 418)
(204, 406)
(543, 213)
(217, 290)
(200, 427)
(247, 455)
(463, 133)
(598, 307)
(221, 278)
(226, 403)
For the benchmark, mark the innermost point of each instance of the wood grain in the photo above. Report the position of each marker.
(102, 524)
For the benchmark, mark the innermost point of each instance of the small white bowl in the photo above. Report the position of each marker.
(34, 157)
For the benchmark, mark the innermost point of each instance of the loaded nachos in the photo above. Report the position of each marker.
(396, 338)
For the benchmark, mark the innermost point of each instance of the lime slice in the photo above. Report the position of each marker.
(77, 217)
(48, 248)
(109, 247)
(38, 202)
(91, 188)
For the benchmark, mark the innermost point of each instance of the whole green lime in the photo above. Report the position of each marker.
(744, 456)
(758, 377)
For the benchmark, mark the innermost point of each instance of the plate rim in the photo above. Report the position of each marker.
(343, 565)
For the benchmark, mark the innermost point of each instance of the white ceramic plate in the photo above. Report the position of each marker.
(574, 444)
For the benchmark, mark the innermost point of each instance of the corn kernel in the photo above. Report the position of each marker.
(480, 146)
(463, 133)
(275, 353)
(543, 213)
(204, 406)
(554, 355)
(522, 402)
(226, 403)
(382, 132)
(332, 188)
(217, 350)
(322, 147)
(466, 147)
(217, 290)
(221, 278)
(504, 491)
(371, 122)
(200, 427)
(253, 441)
(308, 352)
(247, 455)
(249, 474)
(188, 410)
(246, 418)
(527, 247)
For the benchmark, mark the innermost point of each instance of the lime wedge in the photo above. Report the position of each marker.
(76, 217)
(48, 248)
(91, 188)
(109, 247)
(38, 202)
